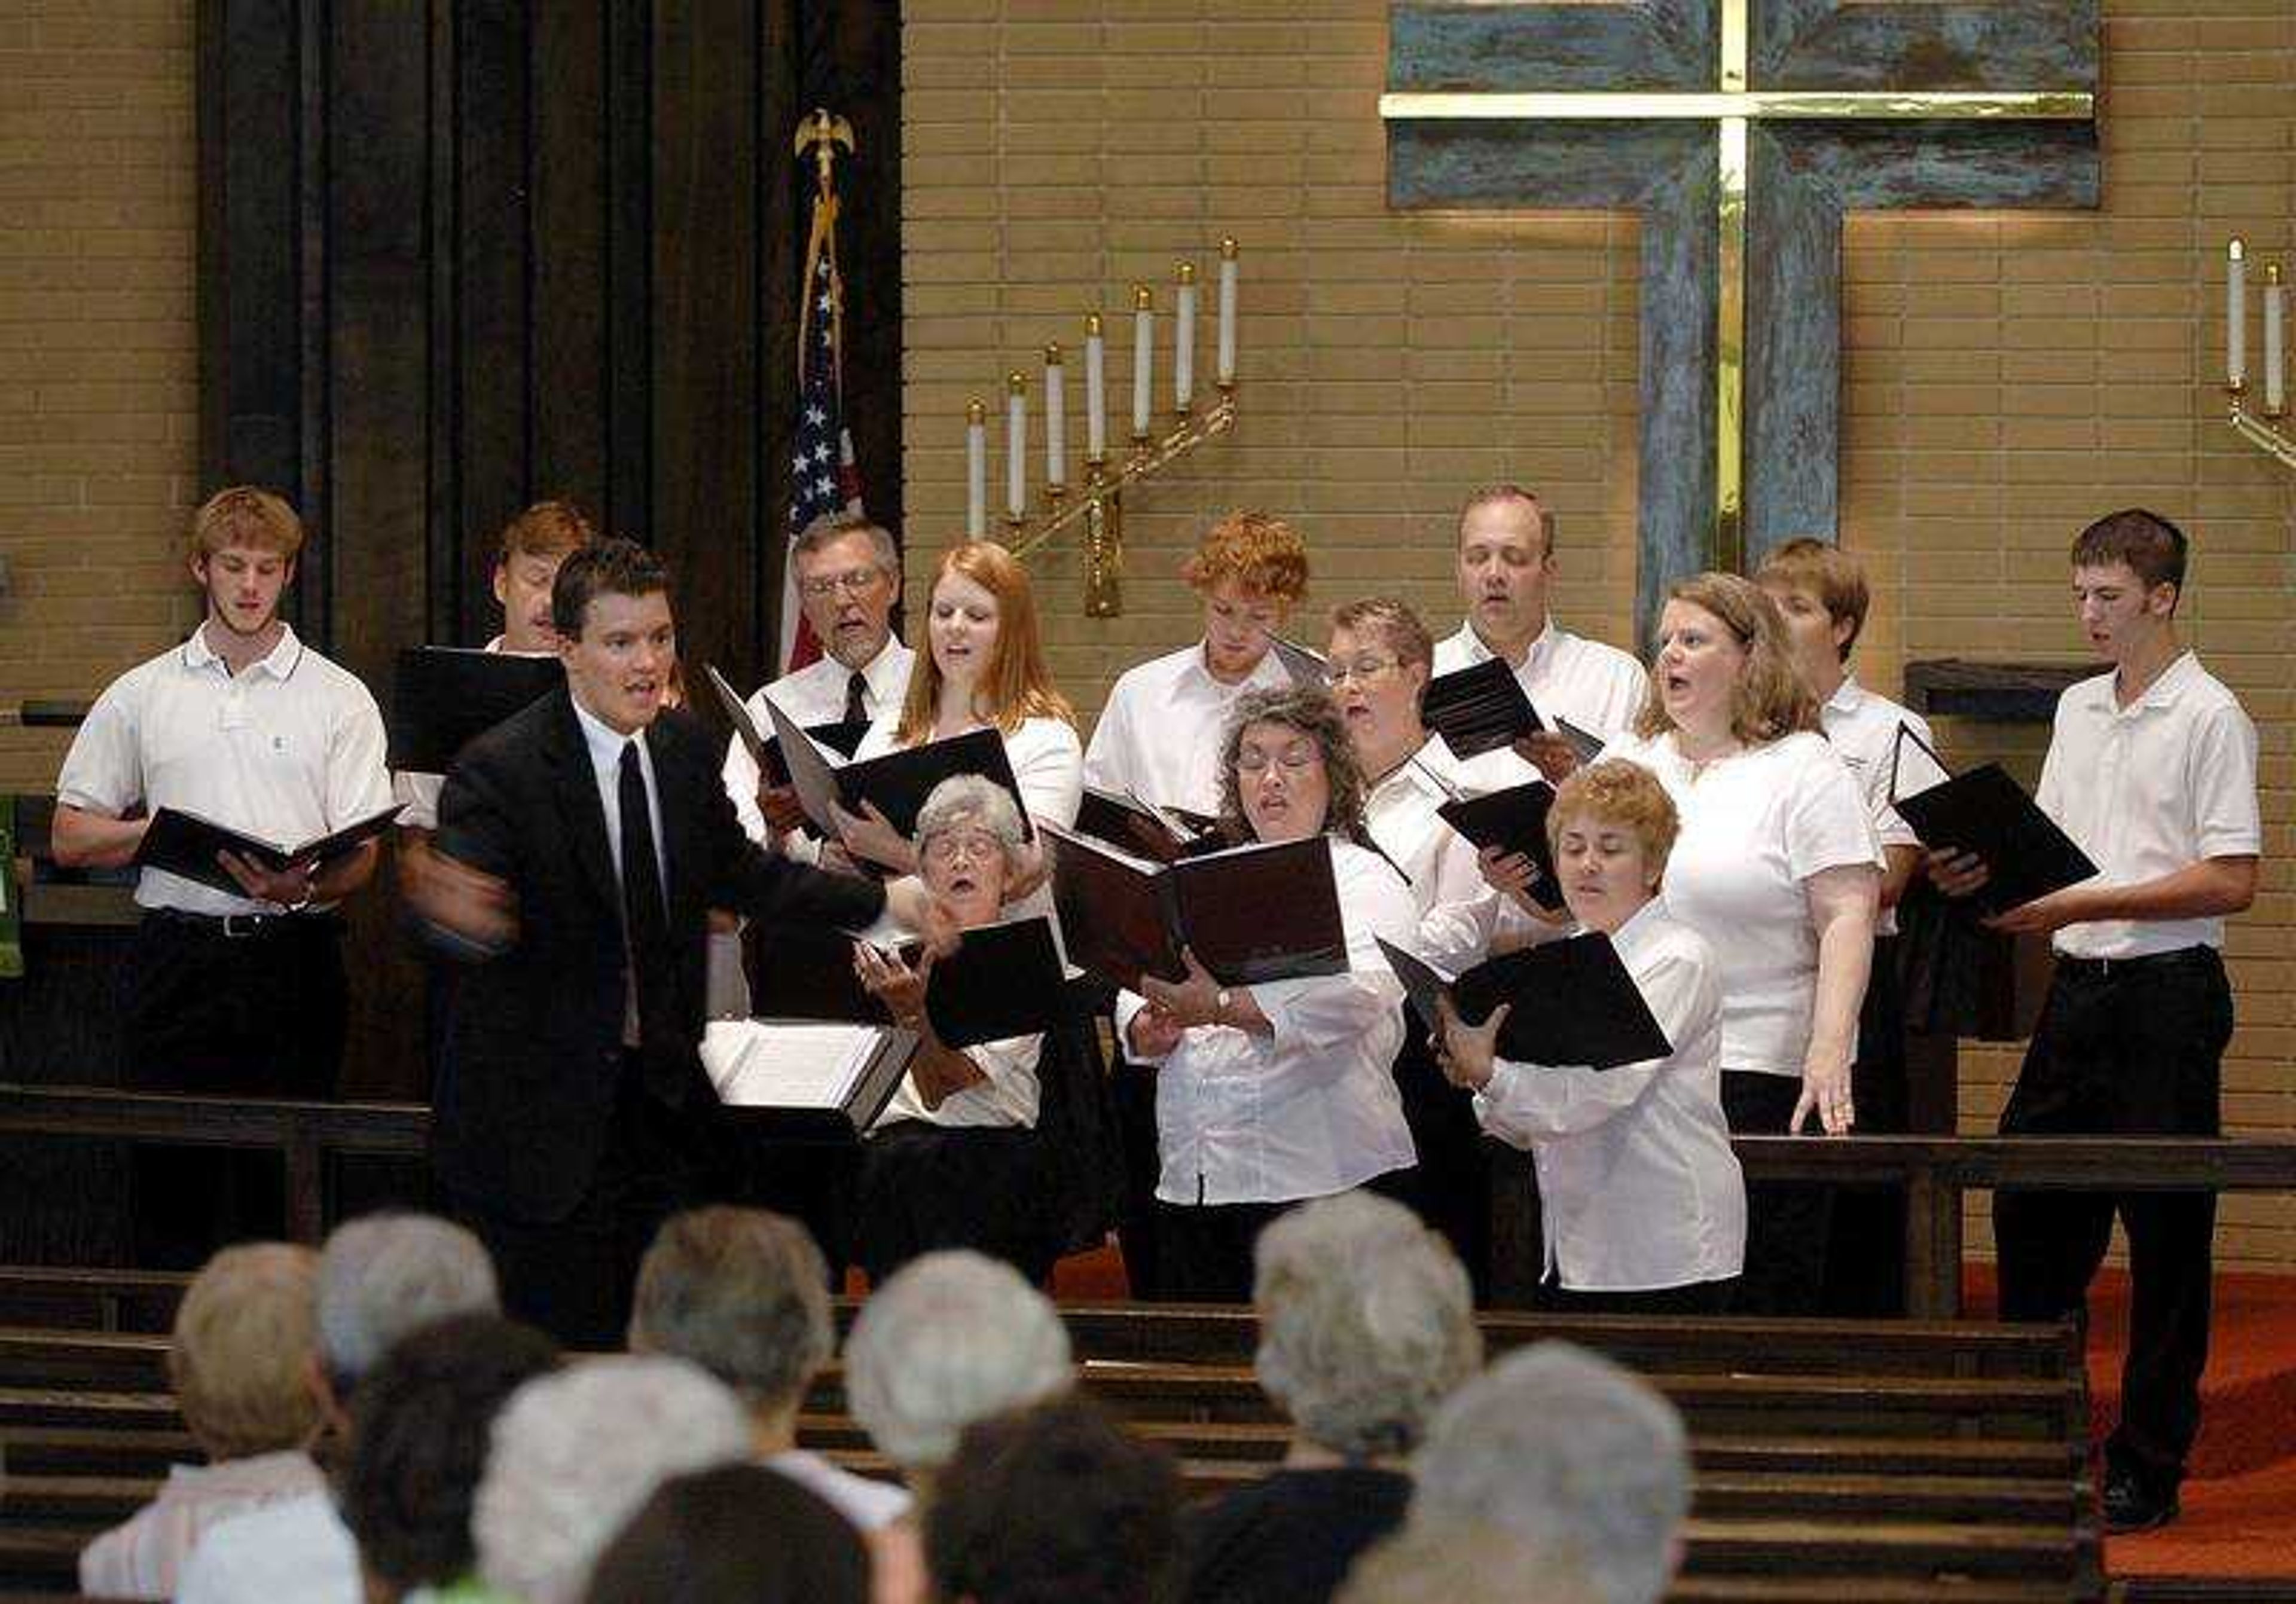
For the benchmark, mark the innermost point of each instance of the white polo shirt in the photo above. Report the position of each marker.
(2148, 790)
(1594, 685)
(1400, 811)
(1756, 825)
(1159, 732)
(288, 749)
(1641, 1188)
(814, 695)
(1313, 1109)
(1863, 728)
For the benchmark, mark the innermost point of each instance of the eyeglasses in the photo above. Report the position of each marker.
(950, 845)
(853, 580)
(1362, 669)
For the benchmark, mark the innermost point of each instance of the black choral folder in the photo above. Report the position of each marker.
(809, 1080)
(898, 782)
(185, 844)
(1986, 812)
(1574, 1002)
(1514, 819)
(1003, 980)
(1478, 709)
(1123, 820)
(1304, 665)
(839, 736)
(445, 697)
(1263, 912)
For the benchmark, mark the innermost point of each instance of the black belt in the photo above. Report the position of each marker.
(244, 927)
(2104, 969)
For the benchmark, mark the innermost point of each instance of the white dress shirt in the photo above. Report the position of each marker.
(1594, 685)
(867, 1504)
(814, 695)
(1008, 1096)
(1161, 730)
(1756, 825)
(289, 750)
(1311, 1109)
(1863, 728)
(2148, 790)
(298, 1550)
(1640, 1187)
(1399, 814)
(143, 1555)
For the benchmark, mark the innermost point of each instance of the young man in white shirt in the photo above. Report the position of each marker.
(229, 993)
(848, 576)
(1822, 593)
(1505, 566)
(1159, 738)
(2151, 771)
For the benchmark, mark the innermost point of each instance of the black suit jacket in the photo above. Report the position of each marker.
(532, 1048)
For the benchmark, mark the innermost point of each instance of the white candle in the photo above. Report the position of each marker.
(2275, 364)
(1056, 418)
(2236, 317)
(1016, 446)
(1184, 340)
(1096, 390)
(976, 471)
(1227, 369)
(1143, 358)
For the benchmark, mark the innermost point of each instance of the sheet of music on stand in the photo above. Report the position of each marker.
(805, 1077)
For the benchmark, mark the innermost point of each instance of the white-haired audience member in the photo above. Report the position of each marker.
(1465, 1562)
(1367, 1323)
(380, 1278)
(240, 1361)
(951, 1338)
(1568, 1449)
(577, 1452)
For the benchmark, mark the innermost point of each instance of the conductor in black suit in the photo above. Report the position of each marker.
(581, 845)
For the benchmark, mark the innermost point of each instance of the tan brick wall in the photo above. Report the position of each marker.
(2007, 378)
(98, 348)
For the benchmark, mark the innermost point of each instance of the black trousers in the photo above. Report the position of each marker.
(574, 1277)
(2128, 1048)
(1449, 1189)
(1204, 1249)
(1866, 1247)
(216, 1013)
(1786, 1220)
(1132, 1093)
(926, 1187)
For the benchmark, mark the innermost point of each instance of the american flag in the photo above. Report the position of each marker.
(824, 476)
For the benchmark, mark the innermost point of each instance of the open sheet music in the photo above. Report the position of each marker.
(898, 782)
(1480, 708)
(839, 736)
(806, 1078)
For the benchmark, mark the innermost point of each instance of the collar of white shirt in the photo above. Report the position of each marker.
(279, 662)
(1265, 674)
(1478, 650)
(2162, 693)
(605, 741)
(1847, 696)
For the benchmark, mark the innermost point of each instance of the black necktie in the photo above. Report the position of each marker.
(645, 922)
(857, 686)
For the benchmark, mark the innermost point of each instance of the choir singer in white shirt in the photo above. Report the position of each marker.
(1271, 1093)
(1778, 868)
(1644, 1203)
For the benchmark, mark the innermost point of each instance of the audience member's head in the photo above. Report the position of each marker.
(950, 1338)
(1568, 1449)
(384, 1275)
(1054, 1504)
(1465, 1562)
(1366, 1322)
(735, 1534)
(743, 1294)
(420, 1430)
(576, 1452)
(241, 1354)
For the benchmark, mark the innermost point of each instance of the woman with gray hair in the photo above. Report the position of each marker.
(952, 1338)
(1367, 1323)
(1270, 1093)
(957, 1159)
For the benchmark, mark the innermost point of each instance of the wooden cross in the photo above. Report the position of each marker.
(1742, 135)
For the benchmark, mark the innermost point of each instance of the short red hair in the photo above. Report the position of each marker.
(1258, 552)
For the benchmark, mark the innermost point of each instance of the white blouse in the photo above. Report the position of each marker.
(1313, 1109)
(1008, 1096)
(1639, 1186)
(1399, 814)
(1756, 825)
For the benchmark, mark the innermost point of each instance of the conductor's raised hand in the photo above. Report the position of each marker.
(1468, 1054)
(476, 911)
(1194, 1000)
